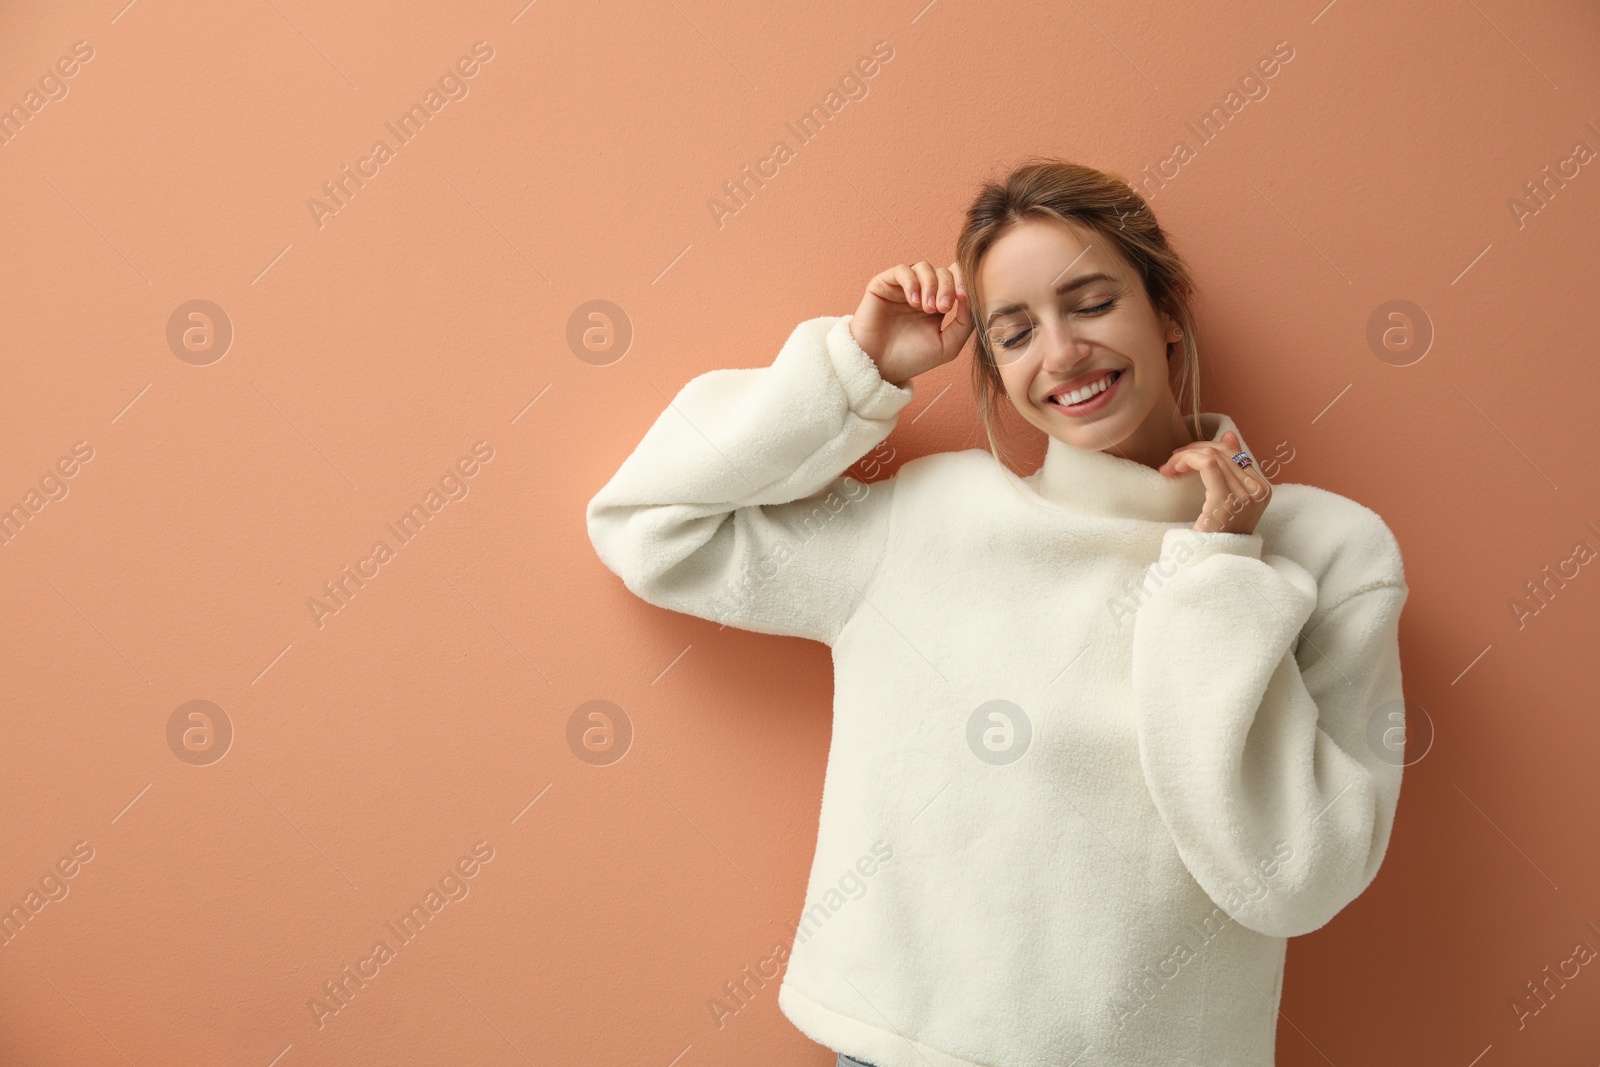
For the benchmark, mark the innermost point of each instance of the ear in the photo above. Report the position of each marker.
(1175, 364)
(1174, 329)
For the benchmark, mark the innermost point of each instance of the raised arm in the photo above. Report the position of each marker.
(734, 506)
(1259, 756)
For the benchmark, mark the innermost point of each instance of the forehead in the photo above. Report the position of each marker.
(1036, 254)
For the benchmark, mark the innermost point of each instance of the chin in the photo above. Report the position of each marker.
(1088, 435)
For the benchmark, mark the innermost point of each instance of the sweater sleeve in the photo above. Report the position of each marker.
(1257, 742)
(733, 506)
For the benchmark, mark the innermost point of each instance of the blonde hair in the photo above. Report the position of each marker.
(1102, 202)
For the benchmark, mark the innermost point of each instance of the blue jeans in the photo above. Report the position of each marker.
(849, 1061)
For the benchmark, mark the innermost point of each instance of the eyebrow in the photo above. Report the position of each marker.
(1065, 287)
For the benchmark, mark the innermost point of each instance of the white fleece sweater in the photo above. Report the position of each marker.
(1089, 767)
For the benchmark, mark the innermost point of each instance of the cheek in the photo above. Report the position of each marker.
(1015, 381)
(1124, 329)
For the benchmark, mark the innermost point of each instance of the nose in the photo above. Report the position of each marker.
(1062, 349)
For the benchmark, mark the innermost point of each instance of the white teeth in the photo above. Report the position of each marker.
(1078, 396)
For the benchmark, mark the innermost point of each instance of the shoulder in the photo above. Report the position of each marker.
(962, 461)
(954, 489)
(1345, 545)
(937, 474)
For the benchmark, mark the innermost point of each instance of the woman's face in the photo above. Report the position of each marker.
(1063, 308)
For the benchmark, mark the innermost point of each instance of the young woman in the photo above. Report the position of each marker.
(1105, 736)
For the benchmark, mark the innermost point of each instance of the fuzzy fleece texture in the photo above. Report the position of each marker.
(1089, 768)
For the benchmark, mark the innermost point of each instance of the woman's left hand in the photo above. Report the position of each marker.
(1235, 496)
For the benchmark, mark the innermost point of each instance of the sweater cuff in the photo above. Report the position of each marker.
(870, 396)
(1185, 547)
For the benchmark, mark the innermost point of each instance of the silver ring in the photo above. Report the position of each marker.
(1242, 459)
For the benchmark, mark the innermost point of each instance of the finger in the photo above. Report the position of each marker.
(1215, 516)
(904, 286)
(1251, 479)
(1235, 477)
(927, 285)
(953, 333)
(961, 310)
(1251, 487)
(1256, 486)
(1219, 447)
(945, 293)
(1220, 455)
(1171, 465)
(1224, 488)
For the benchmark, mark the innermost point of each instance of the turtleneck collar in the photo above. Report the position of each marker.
(1101, 484)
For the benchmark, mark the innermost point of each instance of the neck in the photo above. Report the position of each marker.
(1153, 443)
(1124, 483)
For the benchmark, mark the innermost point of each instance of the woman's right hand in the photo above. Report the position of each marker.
(912, 319)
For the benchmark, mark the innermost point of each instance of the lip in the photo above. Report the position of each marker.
(1094, 403)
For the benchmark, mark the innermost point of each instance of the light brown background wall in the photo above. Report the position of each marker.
(372, 350)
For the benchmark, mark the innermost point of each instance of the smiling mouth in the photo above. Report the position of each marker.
(1100, 387)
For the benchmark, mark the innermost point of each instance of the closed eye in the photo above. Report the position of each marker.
(1097, 310)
